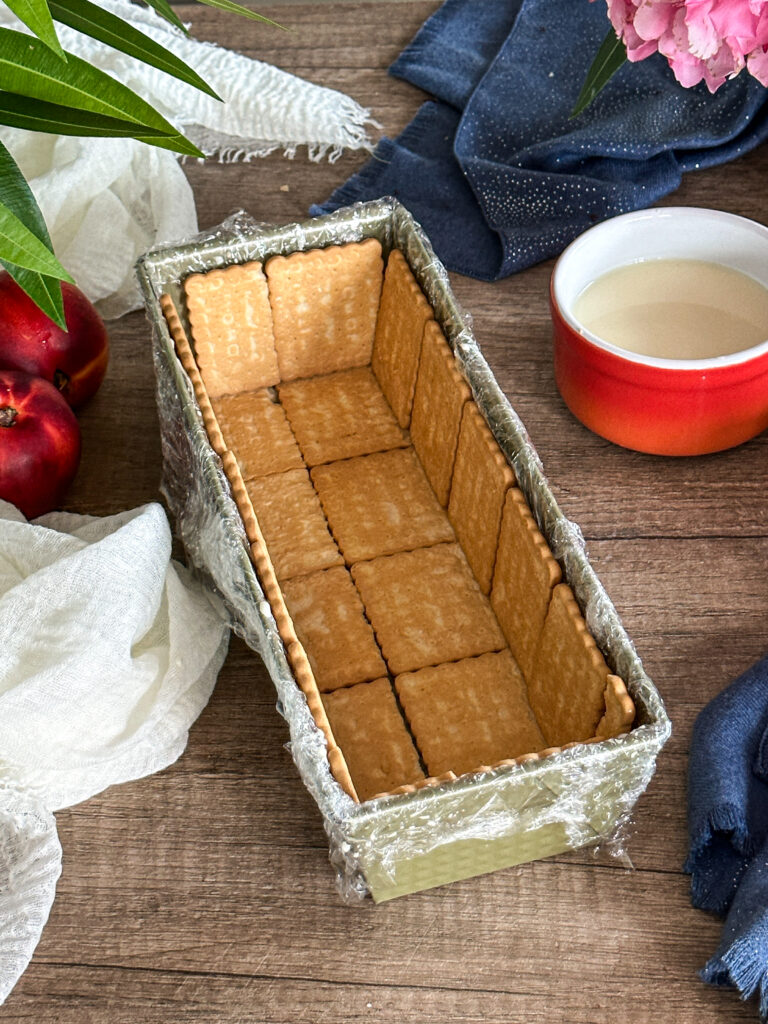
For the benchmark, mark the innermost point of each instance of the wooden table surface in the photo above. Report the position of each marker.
(204, 893)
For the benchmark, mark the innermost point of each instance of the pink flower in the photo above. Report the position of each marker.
(703, 40)
(757, 64)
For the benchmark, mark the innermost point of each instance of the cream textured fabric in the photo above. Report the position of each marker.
(108, 653)
(30, 865)
(106, 201)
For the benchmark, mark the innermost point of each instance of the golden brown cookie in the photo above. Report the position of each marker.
(293, 524)
(619, 710)
(324, 305)
(403, 312)
(299, 663)
(231, 323)
(525, 575)
(187, 360)
(259, 553)
(340, 771)
(370, 731)
(481, 477)
(340, 415)
(302, 672)
(469, 713)
(257, 431)
(426, 608)
(330, 622)
(438, 400)
(566, 689)
(379, 504)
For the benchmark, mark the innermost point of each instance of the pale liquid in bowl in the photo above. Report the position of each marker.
(676, 309)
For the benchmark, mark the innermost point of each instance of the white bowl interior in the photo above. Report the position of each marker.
(665, 233)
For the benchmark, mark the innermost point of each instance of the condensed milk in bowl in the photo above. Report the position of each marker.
(661, 329)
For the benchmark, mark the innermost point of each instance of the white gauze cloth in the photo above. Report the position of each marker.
(106, 201)
(108, 653)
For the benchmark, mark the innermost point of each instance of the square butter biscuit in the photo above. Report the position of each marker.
(438, 400)
(340, 415)
(256, 430)
(231, 322)
(379, 504)
(481, 477)
(324, 304)
(426, 608)
(567, 686)
(469, 713)
(330, 622)
(293, 524)
(403, 313)
(525, 575)
(370, 731)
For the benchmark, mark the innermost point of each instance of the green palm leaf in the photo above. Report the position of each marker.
(36, 15)
(608, 60)
(18, 245)
(54, 119)
(99, 24)
(164, 9)
(16, 196)
(246, 12)
(44, 291)
(28, 68)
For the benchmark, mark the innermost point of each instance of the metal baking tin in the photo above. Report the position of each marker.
(482, 822)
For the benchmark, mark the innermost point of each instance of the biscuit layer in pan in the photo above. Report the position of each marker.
(324, 304)
(469, 713)
(330, 622)
(380, 504)
(426, 608)
(371, 732)
(340, 415)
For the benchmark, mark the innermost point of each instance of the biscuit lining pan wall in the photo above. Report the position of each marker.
(325, 453)
(453, 829)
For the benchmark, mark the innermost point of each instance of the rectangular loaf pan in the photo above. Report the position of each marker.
(478, 823)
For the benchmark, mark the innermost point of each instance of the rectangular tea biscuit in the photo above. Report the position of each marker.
(187, 360)
(426, 608)
(403, 313)
(231, 323)
(260, 555)
(470, 713)
(370, 732)
(257, 431)
(619, 710)
(340, 415)
(566, 689)
(324, 305)
(438, 401)
(525, 575)
(481, 477)
(293, 524)
(330, 622)
(379, 504)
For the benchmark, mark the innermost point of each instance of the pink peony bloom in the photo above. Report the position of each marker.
(703, 40)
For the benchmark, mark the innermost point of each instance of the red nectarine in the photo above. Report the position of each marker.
(39, 443)
(74, 361)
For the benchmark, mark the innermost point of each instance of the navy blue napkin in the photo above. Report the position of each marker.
(495, 169)
(728, 827)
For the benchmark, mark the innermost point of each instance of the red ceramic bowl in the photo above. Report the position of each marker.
(661, 406)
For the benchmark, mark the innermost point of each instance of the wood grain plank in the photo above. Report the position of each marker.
(157, 997)
(183, 919)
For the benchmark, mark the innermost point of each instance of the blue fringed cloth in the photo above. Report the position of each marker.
(494, 168)
(728, 825)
